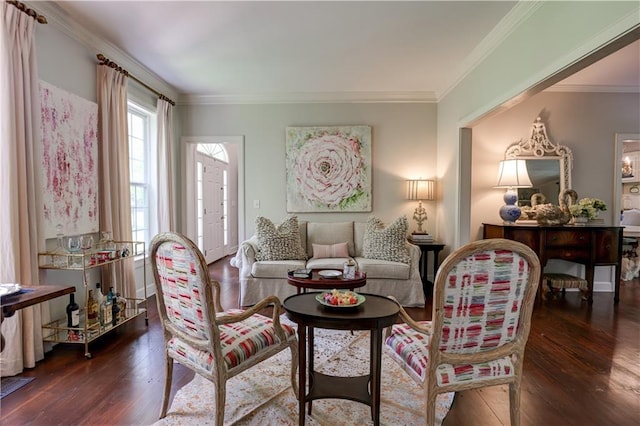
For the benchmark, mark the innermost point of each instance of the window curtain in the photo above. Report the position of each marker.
(165, 168)
(19, 179)
(113, 180)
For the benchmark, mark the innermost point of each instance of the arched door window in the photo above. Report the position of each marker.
(214, 150)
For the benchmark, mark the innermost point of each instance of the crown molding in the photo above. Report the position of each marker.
(518, 14)
(310, 98)
(593, 89)
(67, 24)
(625, 30)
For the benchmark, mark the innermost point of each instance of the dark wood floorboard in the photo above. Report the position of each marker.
(582, 367)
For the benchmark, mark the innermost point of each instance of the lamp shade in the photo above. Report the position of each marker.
(513, 174)
(420, 189)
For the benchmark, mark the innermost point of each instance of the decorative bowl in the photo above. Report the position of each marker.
(329, 273)
(321, 299)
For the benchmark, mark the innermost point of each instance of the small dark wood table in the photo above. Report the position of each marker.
(425, 248)
(28, 296)
(319, 283)
(374, 314)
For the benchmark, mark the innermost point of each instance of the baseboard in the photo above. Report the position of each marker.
(603, 287)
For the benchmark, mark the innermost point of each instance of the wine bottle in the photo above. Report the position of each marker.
(122, 303)
(115, 310)
(73, 312)
(105, 313)
(99, 299)
(92, 309)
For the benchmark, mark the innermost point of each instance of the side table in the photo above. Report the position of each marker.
(319, 283)
(374, 314)
(425, 248)
(28, 296)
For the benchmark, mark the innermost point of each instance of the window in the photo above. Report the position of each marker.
(141, 169)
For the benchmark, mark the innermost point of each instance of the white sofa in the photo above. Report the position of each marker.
(259, 279)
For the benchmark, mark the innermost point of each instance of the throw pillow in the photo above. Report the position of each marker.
(280, 242)
(323, 251)
(386, 243)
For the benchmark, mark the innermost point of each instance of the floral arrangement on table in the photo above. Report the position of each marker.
(587, 208)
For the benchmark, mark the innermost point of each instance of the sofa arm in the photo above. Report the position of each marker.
(414, 254)
(246, 256)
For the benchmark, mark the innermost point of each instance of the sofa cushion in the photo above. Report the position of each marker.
(383, 269)
(329, 233)
(327, 263)
(323, 251)
(275, 268)
(280, 242)
(359, 229)
(386, 243)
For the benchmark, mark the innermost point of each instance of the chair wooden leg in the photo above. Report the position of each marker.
(430, 417)
(293, 346)
(221, 395)
(168, 368)
(514, 403)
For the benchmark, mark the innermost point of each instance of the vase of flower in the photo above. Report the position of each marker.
(580, 220)
(586, 209)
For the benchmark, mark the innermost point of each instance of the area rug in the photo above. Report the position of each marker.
(263, 395)
(12, 384)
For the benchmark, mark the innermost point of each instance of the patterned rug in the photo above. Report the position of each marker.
(263, 395)
(11, 384)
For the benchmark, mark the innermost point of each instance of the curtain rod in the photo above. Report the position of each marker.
(105, 61)
(22, 7)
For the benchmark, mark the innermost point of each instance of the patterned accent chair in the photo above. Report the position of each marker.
(483, 299)
(198, 333)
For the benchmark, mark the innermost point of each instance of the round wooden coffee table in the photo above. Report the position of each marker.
(376, 313)
(319, 283)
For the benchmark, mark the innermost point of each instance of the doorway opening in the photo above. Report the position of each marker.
(213, 193)
(212, 200)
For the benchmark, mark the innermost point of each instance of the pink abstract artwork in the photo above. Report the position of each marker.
(69, 161)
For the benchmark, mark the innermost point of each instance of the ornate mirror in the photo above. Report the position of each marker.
(548, 165)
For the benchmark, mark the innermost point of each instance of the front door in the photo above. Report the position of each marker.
(210, 207)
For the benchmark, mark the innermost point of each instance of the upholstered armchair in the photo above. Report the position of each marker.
(198, 333)
(483, 299)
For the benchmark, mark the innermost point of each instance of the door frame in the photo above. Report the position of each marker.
(188, 199)
(617, 173)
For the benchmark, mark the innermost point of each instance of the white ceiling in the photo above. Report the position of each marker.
(408, 50)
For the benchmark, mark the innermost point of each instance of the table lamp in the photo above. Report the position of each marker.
(511, 175)
(420, 190)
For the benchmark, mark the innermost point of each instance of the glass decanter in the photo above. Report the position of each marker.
(74, 245)
(60, 254)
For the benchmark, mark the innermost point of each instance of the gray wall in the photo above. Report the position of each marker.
(552, 36)
(65, 63)
(403, 147)
(584, 122)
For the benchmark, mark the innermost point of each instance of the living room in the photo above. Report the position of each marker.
(412, 139)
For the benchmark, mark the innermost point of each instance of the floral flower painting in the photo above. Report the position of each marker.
(328, 169)
(69, 130)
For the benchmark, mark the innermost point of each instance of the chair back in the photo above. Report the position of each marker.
(483, 299)
(183, 288)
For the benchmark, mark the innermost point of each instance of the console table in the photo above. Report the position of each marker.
(29, 296)
(588, 245)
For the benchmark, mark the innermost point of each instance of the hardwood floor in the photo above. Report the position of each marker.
(582, 367)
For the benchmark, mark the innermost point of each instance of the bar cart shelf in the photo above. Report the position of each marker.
(101, 256)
